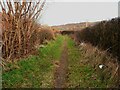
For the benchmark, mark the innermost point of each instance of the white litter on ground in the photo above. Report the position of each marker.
(82, 44)
(101, 66)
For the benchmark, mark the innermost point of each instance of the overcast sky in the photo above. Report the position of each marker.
(57, 13)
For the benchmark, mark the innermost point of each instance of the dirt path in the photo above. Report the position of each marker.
(61, 71)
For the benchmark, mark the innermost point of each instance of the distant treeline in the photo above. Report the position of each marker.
(105, 35)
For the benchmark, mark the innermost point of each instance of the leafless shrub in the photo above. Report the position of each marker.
(19, 26)
(46, 33)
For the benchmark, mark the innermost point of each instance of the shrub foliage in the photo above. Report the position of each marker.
(105, 35)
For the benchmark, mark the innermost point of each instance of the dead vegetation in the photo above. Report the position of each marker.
(93, 56)
(46, 34)
(19, 27)
(104, 35)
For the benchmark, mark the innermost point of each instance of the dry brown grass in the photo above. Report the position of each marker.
(95, 57)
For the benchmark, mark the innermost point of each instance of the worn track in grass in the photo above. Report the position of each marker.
(60, 72)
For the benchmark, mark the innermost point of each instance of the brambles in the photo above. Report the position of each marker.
(45, 34)
(104, 35)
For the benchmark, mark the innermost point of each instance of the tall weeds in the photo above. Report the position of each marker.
(19, 26)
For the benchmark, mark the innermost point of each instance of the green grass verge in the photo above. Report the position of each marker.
(81, 75)
(38, 71)
(34, 71)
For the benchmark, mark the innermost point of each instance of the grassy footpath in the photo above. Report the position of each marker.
(38, 71)
(35, 71)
